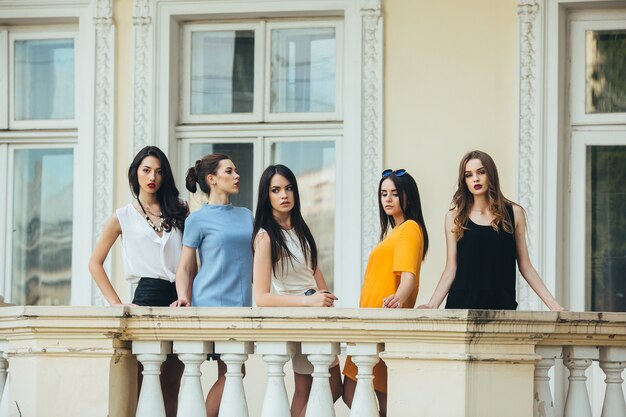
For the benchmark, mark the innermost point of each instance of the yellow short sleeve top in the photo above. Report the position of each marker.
(401, 251)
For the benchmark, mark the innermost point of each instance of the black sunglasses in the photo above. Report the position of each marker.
(398, 172)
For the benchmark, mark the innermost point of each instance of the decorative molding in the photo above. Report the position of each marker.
(530, 140)
(371, 123)
(104, 123)
(142, 74)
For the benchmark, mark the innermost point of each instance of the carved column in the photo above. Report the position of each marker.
(530, 139)
(365, 356)
(372, 122)
(275, 354)
(104, 125)
(143, 45)
(321, 355)
(151, 354)
(612, 362)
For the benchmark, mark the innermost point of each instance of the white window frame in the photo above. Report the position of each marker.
(256, 114)
(577, 90)
(26, 33)
(305, 116)
(156, 103)
(580, 295)
(60, 142)
(94, 122)
(4, 78)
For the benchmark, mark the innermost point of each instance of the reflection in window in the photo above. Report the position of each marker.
(313, 163)
(222, 72)
(606, 71)
(243, 158)
(303, 70)
(606, 227)
(44, 79)
(42, 226)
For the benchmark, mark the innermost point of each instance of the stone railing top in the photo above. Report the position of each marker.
(314, 324)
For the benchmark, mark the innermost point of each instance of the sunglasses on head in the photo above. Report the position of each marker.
(398, 172)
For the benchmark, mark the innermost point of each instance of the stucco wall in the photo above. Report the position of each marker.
(450, 87)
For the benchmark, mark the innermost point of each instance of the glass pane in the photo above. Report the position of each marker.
(242, 154)
(303, 70)
(222, 72)
(313, 163)
(606, 227)
(44, 79)
(43, 190)
(606, 71)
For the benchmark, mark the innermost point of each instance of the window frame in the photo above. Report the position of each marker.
(4, 78)
(30, 33)
(68, 142)
(577, 89)
(256, 115)
(336, 115)
(92, 21)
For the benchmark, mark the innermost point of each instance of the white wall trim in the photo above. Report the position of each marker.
(372, 125)
(142, 96)
(530, 20)
(104, 129)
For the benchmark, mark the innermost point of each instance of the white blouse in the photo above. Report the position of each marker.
(297, 276)
(145, 254)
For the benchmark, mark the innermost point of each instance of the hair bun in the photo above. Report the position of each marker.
(192, 178)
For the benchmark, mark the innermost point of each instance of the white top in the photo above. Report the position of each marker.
(297, 276)
(145, 254)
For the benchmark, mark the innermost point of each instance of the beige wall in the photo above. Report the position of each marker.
(450, 87)
(122, 13)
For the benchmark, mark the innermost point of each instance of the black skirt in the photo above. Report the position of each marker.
(154, 292)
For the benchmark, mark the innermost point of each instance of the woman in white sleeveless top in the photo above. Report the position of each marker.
(151, 228)
(285, 271)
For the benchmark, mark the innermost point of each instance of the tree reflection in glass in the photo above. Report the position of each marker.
(605, 71)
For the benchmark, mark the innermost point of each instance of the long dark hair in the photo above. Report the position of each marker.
(198, 172)
(410, 203)
(463, 200)
(264, 218)
(173, 208)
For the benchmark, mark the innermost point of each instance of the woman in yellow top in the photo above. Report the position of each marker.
(393, 269)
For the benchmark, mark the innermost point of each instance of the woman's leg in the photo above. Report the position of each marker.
(301, 394)
(336, 386)
(171, 373)
(348, 391)
(214, 397)
(382, 403)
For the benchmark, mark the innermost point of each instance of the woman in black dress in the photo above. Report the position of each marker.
(485, 237)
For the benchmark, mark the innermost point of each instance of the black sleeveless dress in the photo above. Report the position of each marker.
(485, 271)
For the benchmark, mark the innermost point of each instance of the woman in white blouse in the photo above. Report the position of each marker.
(151, 227)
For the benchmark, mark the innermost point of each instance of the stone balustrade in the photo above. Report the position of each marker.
(79, 361)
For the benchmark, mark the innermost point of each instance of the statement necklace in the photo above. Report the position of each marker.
(156, 228)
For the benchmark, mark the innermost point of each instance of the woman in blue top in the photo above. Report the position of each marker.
(221, 234)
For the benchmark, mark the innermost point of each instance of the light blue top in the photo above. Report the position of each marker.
(222, 234)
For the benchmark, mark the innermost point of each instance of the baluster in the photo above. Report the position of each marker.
(192, 354)
(151, 354)
(543, 401)
(612, 362)
(577, 360)
(234, 354)
(321, 355)
(275, 354)
(364, 356)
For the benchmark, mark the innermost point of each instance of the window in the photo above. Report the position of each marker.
(239, 80)
(37, 149)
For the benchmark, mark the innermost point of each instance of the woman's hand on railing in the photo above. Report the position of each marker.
(321, 299)
(392, 302)
(181, 303)
(426, 306)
